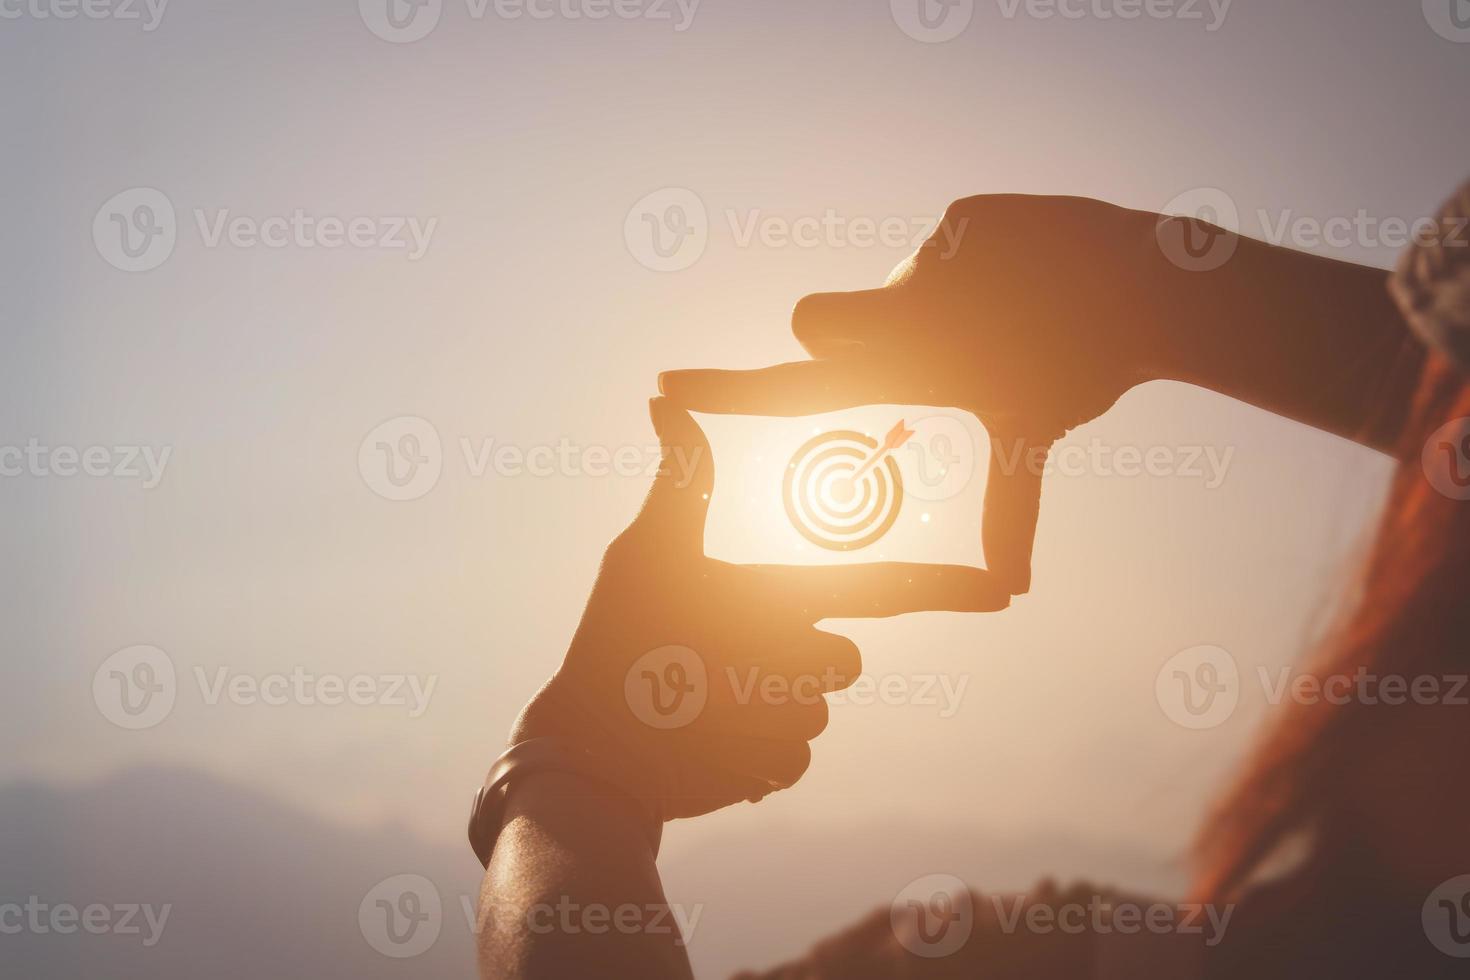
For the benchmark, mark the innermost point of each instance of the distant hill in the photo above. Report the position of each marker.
(257, 889)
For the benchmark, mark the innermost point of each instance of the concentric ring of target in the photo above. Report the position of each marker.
(827, 505)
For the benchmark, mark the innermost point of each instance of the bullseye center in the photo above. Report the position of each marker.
(843, 490)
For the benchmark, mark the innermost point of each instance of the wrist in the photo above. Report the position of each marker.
(543, 792)
(583, 777)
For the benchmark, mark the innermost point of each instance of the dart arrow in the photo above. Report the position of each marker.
(897, 436)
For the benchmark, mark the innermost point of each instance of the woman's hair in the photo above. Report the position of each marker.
(1407, 615)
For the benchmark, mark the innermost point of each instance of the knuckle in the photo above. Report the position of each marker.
(812, 718)
(794, 763)
(846, 661)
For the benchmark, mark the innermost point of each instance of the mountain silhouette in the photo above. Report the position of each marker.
(258, 888)
(254, 888)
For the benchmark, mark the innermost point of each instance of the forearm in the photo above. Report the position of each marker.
(1309, 338)
(572, 889)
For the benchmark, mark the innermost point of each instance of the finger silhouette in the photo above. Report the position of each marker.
(796, 388)
(834, 324)
(1012, 503)
(676, 505)
(883, 589)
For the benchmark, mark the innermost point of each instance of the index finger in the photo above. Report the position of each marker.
(797, 388)
(882, 589)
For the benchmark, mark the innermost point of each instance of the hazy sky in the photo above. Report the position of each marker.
(519, 147)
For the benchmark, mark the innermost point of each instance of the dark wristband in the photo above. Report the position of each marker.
(548, 754)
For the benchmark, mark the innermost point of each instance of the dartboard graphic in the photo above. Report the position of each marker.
(843, 490)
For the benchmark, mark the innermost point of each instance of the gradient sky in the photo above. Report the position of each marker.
(529, 321)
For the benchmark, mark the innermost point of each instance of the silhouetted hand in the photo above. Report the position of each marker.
(1026, 311)
(1037, 313)
(707, 678)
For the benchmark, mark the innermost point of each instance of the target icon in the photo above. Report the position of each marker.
(843, 489)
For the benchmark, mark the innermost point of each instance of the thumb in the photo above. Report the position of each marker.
(676, 505)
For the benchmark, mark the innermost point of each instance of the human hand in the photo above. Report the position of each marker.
(1034, 313)
(705, 678)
